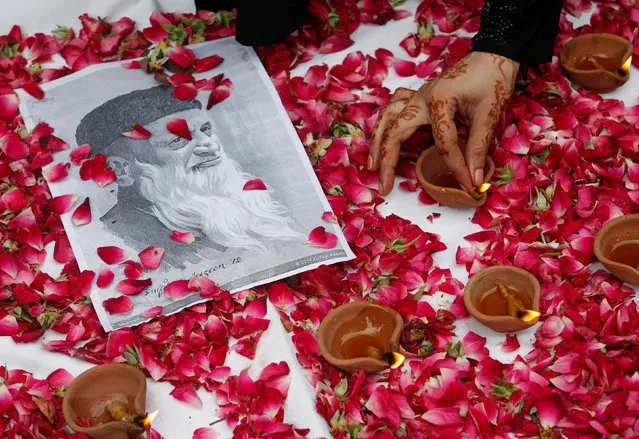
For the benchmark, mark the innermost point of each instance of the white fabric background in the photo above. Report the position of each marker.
(177, 420)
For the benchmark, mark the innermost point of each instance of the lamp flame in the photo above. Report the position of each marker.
(395, 359)
(527, 315)
(626, 65)
(484, 187)
(149, 418)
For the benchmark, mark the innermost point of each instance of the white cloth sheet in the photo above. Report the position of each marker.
(453, 225)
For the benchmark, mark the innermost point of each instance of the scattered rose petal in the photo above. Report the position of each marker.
(82, 214)
(319, 237)
(184, 237)
(105, 277)
(34, 90)
(138, 132)
(63, 203)
(132, 287)
(207, 63)
(187, 394)
(254, 184)
(57, 172)
(118, 305)
(151, 257)
(179, 127)
(152, 312)
(178, 289)
(511, 344)
(112, 254)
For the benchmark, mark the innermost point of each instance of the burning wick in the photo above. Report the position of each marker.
(625, 67)
(145, 421)
(476, 193)
(527, 315)
(394, 359)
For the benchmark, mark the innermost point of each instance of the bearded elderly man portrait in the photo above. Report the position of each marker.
(168, 182)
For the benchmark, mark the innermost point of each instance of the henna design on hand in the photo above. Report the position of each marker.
(503, 90)
(439, 123)
(457, 70)
(410, 112)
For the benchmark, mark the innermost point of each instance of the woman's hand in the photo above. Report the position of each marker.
(477, 88)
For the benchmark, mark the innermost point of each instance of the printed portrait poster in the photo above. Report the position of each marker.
(166, 183)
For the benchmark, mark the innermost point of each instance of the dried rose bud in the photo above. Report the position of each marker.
(413, 335)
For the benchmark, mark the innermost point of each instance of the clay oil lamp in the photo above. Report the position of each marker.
(505, 299)
(361, 336)
(440, 183)
(108, 402)
(617, 247)
(599, 62)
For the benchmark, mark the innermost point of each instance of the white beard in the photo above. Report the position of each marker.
(212, 202)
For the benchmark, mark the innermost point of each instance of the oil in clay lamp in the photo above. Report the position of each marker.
(440, 182)
(108, 402)
(599, 62)
(617, 247)
(504, 299)
(361, 336)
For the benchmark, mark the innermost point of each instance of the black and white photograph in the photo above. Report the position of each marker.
(193, 185)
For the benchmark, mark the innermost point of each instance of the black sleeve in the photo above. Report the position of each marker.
(522, 30)
(262, 22)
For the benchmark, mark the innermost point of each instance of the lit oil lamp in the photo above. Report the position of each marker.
(617, 247)
(440, 182)
(599, 62)
(107, 402)
(505, 299)
(361, 336)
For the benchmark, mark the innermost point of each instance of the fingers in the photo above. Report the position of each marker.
(387, 114)
(442, 114)
(411, 117)
(481, 131)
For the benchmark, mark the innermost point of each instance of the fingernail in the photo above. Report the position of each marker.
(479, 176)
(369, 163)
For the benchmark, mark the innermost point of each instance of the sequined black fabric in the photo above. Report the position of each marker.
(522, 30)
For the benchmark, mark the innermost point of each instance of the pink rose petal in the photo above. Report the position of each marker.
(319, 237)
(184, 237)
(82, 214)
(138, 132)
(151, 257)
(511, 344)
(181, 56)
(207, 63)
(57, 172)
(204, 433)
(8, 324)
(80, 154)
(187, 394)
(152, 312)
(105, 277)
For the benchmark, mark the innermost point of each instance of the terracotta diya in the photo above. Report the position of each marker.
(104, 393)
(440, 183)
(361, 336)
(505, 299)
(599, 62)
(617, 247)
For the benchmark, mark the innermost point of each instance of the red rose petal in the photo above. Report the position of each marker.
(186, 393)
(105, 277)
(254, 184)
(185, 92)
(34, 90)
(63, 203)
(335, 43)
(80, 154)
(112, 254)
(9, 264)
(184, 237)
(179, 127)
(82, 214)
(329, 217)
(8, 324)
(181, 56)
(13, 146)
(155, 34)
(138, 132)
(178, 289)
(319, 237)
(8, 105)
(207, 63)
(132, 287)
(56, 172)
(118, 305)
(132, 269)
(151, 257)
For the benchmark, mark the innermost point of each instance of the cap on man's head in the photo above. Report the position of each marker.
(106, 123)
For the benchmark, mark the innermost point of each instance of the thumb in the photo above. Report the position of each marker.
(481, 132)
